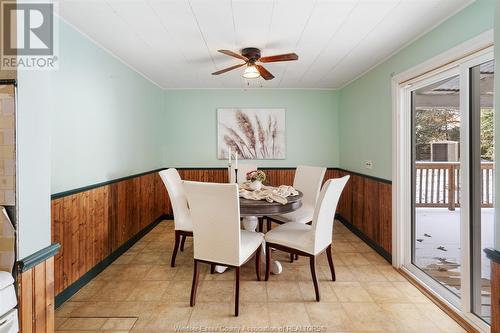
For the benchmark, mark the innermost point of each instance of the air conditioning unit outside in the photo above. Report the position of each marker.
(445, 151)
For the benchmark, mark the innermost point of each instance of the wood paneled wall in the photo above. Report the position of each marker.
(91, 224)
(276, 177)
(205, 175)
(366, 206)
(36, 298)
(495, 297)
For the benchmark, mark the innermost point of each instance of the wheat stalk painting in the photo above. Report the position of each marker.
(252, 133)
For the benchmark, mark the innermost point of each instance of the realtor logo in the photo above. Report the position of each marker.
(27, 35)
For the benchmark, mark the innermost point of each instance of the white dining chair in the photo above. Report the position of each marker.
(308, 180)
(218, 239)
(243, 169)
(182, 216)
(310, 240)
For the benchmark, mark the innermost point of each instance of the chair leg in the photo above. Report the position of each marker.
(330, 261)
(194, 287)
(296, 257)
(268, 261)
(312, 262)
(261, 224)
(237, 291)
(292, 256)
(268, 225)
(212, 268)
(182, 243)
(176, 246)
(257, 263)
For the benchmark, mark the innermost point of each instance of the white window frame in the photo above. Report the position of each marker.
(483, 57)
(454, 61)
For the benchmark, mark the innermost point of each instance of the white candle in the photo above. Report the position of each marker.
(229, 156)
(236, 160)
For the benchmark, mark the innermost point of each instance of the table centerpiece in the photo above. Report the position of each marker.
(255, 178)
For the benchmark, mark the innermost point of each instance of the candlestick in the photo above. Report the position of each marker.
(236, 166)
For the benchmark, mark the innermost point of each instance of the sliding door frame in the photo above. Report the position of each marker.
(471, 215)
(454, 61)
(409, 232)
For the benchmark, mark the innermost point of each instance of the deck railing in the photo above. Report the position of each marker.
(437, 184)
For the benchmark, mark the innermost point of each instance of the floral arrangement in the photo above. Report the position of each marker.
(256, 175)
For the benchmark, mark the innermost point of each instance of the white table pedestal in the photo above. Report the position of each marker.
(250, 223)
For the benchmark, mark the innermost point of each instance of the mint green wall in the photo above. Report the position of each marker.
(365, 111)
(105, 117)
(191, 125)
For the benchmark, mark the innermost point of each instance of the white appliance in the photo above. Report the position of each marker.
(8, 302)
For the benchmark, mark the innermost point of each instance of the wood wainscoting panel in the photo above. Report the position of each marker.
(205, 175)
(276, 177)
(344, 207)
(285, 176)
(358, 198)
(91, 224)
(36, 298)
(495, 297)
(366, 208)
(25, 295)
(371, 205)
(385, 216)
(80, 224)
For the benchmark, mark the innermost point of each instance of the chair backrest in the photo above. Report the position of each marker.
(243, 169)
(173, 183)
(215, 212)
(324, 213)
(308, 180)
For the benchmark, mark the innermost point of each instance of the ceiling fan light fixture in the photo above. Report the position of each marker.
(251, 72)
(251, 55)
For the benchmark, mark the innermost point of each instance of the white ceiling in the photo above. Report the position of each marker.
(174, 43)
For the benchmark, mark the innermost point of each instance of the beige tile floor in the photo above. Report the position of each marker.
(140, 292)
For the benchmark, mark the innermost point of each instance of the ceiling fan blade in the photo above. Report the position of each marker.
(228, 69)
(264, 73)
(280, 57)
(233, 54)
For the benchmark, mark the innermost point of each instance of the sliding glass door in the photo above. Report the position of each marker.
(482, 165)
(452, 186)
(436, 231)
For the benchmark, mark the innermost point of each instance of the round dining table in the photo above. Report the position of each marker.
(258, 208)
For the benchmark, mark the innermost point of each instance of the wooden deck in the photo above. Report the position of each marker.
(437, 250)
(437, 184)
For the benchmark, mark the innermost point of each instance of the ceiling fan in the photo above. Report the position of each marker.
(251, 55)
